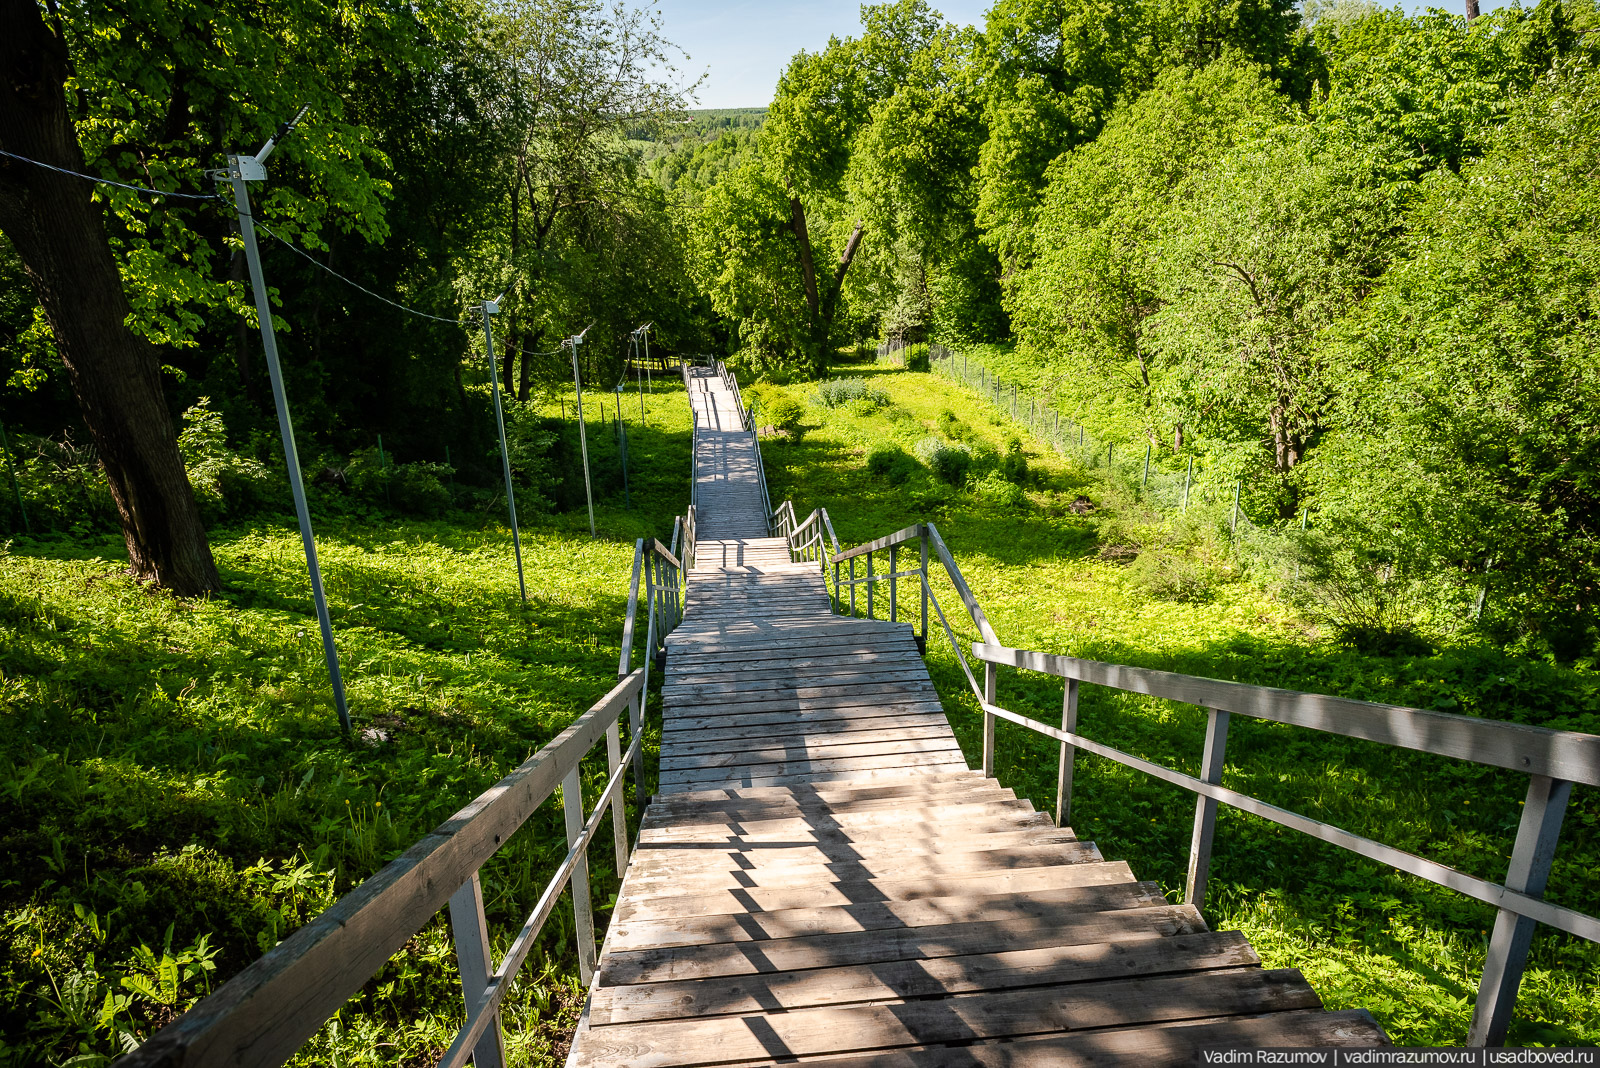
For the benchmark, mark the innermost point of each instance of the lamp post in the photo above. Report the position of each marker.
(492, 307)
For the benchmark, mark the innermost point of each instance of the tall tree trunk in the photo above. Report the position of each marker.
(820, 305)
(1472, 11)
(61, 239)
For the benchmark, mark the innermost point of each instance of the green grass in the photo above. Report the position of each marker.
(177, 791)
(1050, 580)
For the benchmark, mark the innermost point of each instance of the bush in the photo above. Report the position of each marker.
(1014, 467)
(1172, 577)
(999, 493)
(898, 416)
(783, 412)
(417, 489)
(850, 393)
(223, 481)
(951, 426)
(891, 464)
(949, 463)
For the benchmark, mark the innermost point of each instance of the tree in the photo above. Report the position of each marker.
(56, 227)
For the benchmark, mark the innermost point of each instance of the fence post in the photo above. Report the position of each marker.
(470, 932)
(1069, 722)
(1110, 452)
(1147, 449)
(582, 911)
(1535, 848)
(870, 584)
(1233, 524)
(924, 585)
(1205, 808)
(1188, 476)
(894, 584)
(852, 587)
(991, 680)
(619, 809)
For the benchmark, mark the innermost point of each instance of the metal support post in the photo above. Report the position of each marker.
(1069, 752)
(470, 931)
(619, 807)
(240, 170)
(1205, 808)
(1188, 476)
(1147, 449)
(583, 434)
(1233, 524)
(852, 587)
(870, 584)
(1531, 857)
(894, 584)
(582, 910)
(492, 307)
(923, 641)
(991, 686)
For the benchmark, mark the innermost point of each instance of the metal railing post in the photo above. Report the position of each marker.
(1205, 808)
(619, 807)
(923, 635)
(870, 584)
(852, 587)
(582, 910)
(470, 932)
(1069, 752)
(894, 584)
(991, 686)
(1531, 857)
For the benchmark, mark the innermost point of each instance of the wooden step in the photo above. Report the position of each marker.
(900, 980)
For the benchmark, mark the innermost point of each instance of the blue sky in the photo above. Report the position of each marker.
(745, 44)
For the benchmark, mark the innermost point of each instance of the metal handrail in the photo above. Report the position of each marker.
(1553, 760)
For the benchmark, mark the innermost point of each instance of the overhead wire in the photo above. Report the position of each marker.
(107, 181)
(356, 285)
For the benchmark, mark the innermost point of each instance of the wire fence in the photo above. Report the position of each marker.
(1134, 466)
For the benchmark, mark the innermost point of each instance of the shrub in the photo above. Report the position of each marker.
(894, 465)
(417, 489)
(784, 413)
(222, 479)
(949, 463)
(1014, 467)
(997, 492)
(899, 416)
(850, 393)
(951, 426)
(1172, 577)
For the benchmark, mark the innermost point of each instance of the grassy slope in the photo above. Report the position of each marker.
(179, 763)
(1364, 936)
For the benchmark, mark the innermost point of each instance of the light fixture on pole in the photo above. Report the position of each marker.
(492, 307)
(583, 435)
(240, 170)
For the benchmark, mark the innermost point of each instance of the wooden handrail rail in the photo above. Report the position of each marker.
(265, 1013)
(899, 537)
(1566, 755)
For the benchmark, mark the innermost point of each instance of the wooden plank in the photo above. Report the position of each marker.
(654, 899)
(810, 716)
(733, 697)
(1113, 1003)
(932, 819)
(868, 868)
(756, 679)
(859, 732)
(829, 792)
(786, 769)
(907, 943)
(897, 980)
(791, 659)
(1156, 1045)
(663, 865)
(1566, 755)
(802, 749)
(677, 738)
(857, 775)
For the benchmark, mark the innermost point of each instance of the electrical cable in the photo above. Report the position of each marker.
(108, 181)
(357, 285)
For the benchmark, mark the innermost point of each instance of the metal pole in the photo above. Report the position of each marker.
(583, 435)
(383, 465)
(491, 307)
(16, 486)
(280, 399)
(1187, 477)
(1233, 524)
(1147, 449)
(622, 430)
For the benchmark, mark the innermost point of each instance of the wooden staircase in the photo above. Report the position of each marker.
(821, 878)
